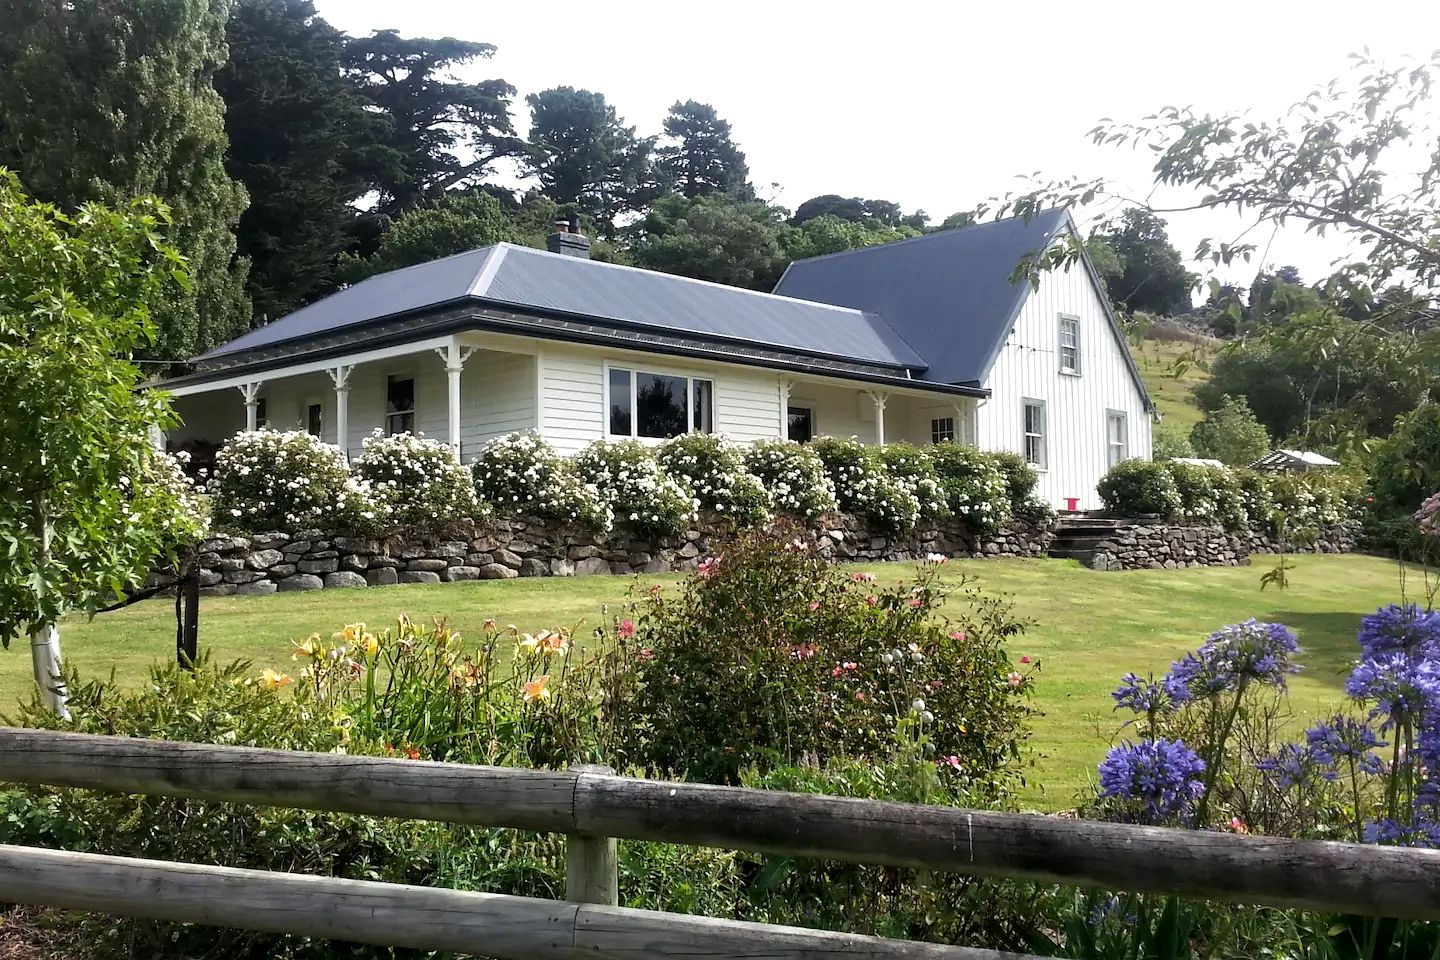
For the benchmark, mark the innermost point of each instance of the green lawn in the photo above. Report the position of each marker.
(1089, 629)
(1172, 369)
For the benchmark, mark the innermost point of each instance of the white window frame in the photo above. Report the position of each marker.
(801, 405)
(414, 411)
(938, 430)
(1070, 321)
(1113, 446)
(632, 369)
(1042, 460)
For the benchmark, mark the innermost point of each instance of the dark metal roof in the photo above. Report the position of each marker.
(948, 294)
(534, 279)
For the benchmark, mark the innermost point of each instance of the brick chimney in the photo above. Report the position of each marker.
(568, 240)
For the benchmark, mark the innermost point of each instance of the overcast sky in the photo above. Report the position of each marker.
(934, 105)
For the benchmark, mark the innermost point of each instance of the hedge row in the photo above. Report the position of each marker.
(268, 480)
(1234, 499)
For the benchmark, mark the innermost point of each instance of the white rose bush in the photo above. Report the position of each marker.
(416, 481)
(794, 477)
(288, 481)
(521, 475)
(863, 484)
(712, 469)
(974, 486)
(637, 491)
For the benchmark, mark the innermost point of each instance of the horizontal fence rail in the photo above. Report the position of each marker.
(421, 918)
(1313, 875)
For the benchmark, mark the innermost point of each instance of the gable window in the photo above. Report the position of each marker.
(314, 419)
(657, 405)
(1070, 345)
(942, 430)
(1035, 433)
(1117, 436)
(399, 405)
(800, 424)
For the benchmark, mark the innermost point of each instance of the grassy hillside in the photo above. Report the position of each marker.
(1160, 360)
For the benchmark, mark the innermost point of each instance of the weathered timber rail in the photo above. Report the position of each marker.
(594, 808)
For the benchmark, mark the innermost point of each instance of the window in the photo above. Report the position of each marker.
(800, 424)
(314, 419)
(659, 406)
(1117, 436)
(1035, 433)
(942, 430)
(1069, 345)
(399, 405)
(262, 416)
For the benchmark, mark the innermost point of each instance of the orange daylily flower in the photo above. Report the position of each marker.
(537, 689)
(274, 680)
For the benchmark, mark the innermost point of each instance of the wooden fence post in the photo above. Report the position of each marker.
(592, 864)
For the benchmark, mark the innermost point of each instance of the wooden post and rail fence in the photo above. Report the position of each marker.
(595, 808)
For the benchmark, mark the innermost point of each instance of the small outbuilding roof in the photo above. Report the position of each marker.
(1294, 460)
(1199, 461)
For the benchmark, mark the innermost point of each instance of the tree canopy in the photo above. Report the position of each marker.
(1146, 272)
(697, 156)
(1231, 434)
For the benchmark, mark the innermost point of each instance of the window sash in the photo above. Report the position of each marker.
(1117, 435)
(1069, 345)
(315, 419)
(623, 393)
(1034, 433)
(942, 430)
(399, 405)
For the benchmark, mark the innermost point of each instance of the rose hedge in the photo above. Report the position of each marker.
(291, 481)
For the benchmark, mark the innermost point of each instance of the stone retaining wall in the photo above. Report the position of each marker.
(502, 549)
(1154, 544)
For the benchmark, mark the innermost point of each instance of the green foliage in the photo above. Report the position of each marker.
(794, 476)
(1146, 272)
(79, 513)
(716, 238)
(415, 481)
(453, 224)
(1208, 494)
(1169, 442)
(301, 142)
(1404, 472)
(442, 132)
(913, 468)
(863, 484)
(583, 154)
(881, 213)
(768, 655)
(522, 475)
(288, 481)
(1231, 434)
(634, 488)
(712, 470)
(981, 489)
(831, 234)
(105, 107)
(1140, 487)
(697, 157)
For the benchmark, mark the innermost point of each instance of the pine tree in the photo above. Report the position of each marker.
(108, 100)
(698, 156)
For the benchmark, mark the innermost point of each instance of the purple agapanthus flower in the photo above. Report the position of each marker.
(1242, 652)
(1163, 778)
(1401, 629)
(1290, 766)
(1399, 688)
(1344, 740)
(1148, 695)
(1421, 833)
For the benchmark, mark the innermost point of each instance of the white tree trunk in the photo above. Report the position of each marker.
(45, 653)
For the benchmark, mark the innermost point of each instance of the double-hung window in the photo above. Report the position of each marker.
(399, 405)
(1117, 436)
(1070, 345)
(657, 405)
(942, 430)
(1035, 433)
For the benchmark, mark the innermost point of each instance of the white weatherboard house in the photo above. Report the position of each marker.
(924, 340)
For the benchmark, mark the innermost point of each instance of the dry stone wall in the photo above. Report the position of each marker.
(503, 549)
(1155, 544)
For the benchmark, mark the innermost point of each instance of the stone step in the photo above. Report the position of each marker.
(1089, 538)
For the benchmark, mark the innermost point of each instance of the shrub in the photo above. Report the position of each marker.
(1169, 442)
(863, 485)
(1196, 485)
(713, 470)
(980, 488)
(912, 468)
(1257, 498)
(794, 477)
(190, 522)
(520, 474)
(416, 481)
(269, 480)
(634, 488)
(768, 655)
(1312, 500)
(1231, 434)
(1405, 471)
(1140, 487)
(1021, 478)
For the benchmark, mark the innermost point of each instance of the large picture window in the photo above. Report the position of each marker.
(399, 405)
(1070, 345)
(658, 406)
(1035, 433)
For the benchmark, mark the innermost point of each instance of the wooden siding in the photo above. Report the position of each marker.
(573, 391)
(747, 403)
(1075, 405)
(497, 396)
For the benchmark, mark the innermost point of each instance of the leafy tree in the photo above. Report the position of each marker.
(453, 224)
(444, 132)
(583, 154)
(1151, 275)
(303, 144)
(107, 102)
(85, 506)
(858, 210)
(1231, 434)
(1275, 299)
(698, 157)
(713, 238)
(964, 218)
(1168, 442)
(830, 234)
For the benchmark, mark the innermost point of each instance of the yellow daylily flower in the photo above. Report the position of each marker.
(272, 680)
(537, 689)
(312, 646)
